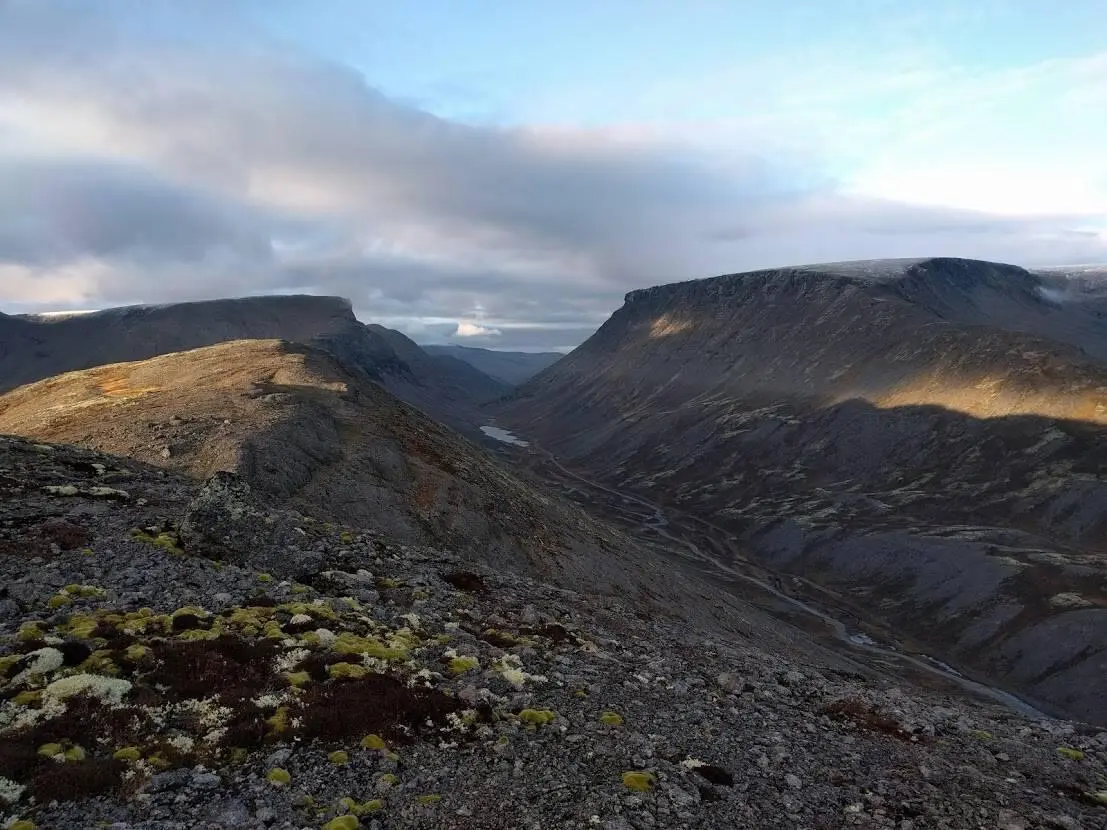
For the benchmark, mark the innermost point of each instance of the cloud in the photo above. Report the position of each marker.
(150, 163)
(473, 330)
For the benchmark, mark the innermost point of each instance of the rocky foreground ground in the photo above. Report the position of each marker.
(175, 658)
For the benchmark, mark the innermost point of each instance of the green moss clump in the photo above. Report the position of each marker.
(1070, 753)
(297, 679)
(346, 537)
(427, 800)
(339, 757)
(136, 653)
(164, 541)
(386, 583)
(127, 753)
(346, 671)
(354, 808)
(981, 735)
(84, 591)
(22, 824)
(389, 780)
(31, 631)
(373, 742)
(28, 697)
(537, 717)
(101, 662)
(74, 753)
(460, 665)
(346, 822)
(640, 782)
(278, 777)
(264, 577)
(278, 721)
(50, 750)
(611, 718)
(59, 601)
(348, 643)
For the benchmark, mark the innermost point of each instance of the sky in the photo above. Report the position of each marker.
(500, 174)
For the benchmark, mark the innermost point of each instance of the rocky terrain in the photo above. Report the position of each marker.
(303, 429)
(508, 367)
(926, 438)
(33, 348)
(182, 656)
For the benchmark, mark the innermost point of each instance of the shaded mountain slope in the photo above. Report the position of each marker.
(40, 347)
(509, 367)
(905, 432)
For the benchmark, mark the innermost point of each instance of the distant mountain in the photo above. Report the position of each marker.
(927, 437)
(32, 348)
(509, 367)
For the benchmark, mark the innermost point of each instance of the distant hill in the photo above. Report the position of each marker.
(37, 347)
(926, 437)
(509, 367)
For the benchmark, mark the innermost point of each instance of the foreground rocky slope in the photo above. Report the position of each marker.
(146, 685)
(305, 430)
(40, 347)
(926, 437)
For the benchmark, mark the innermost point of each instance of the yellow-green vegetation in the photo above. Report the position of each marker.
(1070, 753)
(981, 735)
(100, 662)
(21, 824)
(346, 671)
(278, 777)
(386, 583)
(389, 780)
(611, 718)
(74, 753)
(346, 822)
(339, 757)
(1100, 796)
(537, 717)
(373, 742)
(239, 754)
(354, 808)
(127, 753)
(640, 782)
(164, 541)
(460, 665)
(58, 601)
(50, 750)
(427, 800)
(346, 537)
(264, 577)
(278, 721)
(310, 609)
(28, 697)
(350, 643)
(84, 591)
(30, 631)
(297, 679)
(136, 652)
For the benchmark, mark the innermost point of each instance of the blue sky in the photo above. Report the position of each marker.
(504, 172)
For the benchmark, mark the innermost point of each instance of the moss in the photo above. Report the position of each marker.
(388, 584)
(158, 761)
(460, 665)
(84, 591)
(1070, 753)
(59, 601)
(278, 777)
(83, 626)
(348, 643)
(297, 679)
(537, 717)
(428, 800)
(611, 718)
(31, 631)
(264, 577)
(136, 653)
(981, 735)
(346, 671)
(297, 588)
(640, 782)
(74, 753)
(163, 541)
(50, 750)
(101, 662)
(127, 753)
(389, 780)
(28, 697)
(373, 742)
(278, 721)
(239, 754)
(272, 630)
(21, 824)
(310, 609)
(346, 822)
(346, 537)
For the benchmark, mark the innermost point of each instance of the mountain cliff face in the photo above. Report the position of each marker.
(509, 367)
(926, 437)
(40, 347)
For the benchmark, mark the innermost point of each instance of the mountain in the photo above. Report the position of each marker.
(33, 348)
(509, 367)
(394, 685)
(927, 439)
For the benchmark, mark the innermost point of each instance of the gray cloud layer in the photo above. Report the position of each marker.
(146, 167)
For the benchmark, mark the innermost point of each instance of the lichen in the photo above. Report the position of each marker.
(639, 781)
(10, 792)
(278, 777)
(106, 689)
(460, 665)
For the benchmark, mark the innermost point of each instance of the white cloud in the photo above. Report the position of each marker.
(465, 329)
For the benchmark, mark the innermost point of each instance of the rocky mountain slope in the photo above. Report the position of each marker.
(926, 437)
(305, 430)
(146, 684)
(39, 347)
(509, 367)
